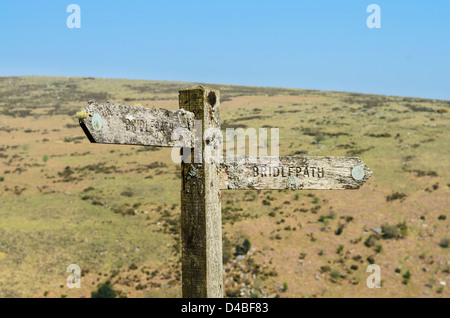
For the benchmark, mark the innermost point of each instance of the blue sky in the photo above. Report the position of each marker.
(317, 44)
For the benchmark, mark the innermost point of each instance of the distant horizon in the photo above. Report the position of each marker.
(379, 47)
(260, 86)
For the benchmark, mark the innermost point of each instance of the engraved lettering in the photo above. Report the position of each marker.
(147, 126)
(128, 124)
(276, 171)
(306, 172)
(270, 171)
(263, 171)
(320, 173)
(142, 126)
(255, 171)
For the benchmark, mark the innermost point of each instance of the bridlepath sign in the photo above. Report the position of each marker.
(204, 175)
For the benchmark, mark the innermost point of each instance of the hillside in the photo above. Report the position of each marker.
(114, 210)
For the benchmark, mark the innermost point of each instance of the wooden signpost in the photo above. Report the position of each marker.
(203, 179)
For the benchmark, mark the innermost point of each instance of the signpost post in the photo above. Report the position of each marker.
(202, 179)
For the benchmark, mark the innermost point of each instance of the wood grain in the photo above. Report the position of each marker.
(201, 220)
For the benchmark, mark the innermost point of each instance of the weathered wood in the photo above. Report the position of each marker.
(131, 125)
(201, 221)
(202, 179)
(293, 172)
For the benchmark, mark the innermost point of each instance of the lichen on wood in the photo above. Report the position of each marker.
(135, 125)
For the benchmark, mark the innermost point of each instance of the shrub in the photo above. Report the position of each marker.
(406, 277)
(315, 208)
(335, 274)
(395, 231)
(445, 242)
(324, 269)
(227, 251)
(323, 219)
(421, 173)
(132, 267)
(339, 229)
(395, 196)
(340, 248)
(243, 249)
(403, 229)
(318, 138)
(246, 245)
(371, 241)
(127, 193)
(104, 290)
(390, 231)
(378, 248)
(129, 211)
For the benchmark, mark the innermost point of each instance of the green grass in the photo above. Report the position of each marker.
(44, 238)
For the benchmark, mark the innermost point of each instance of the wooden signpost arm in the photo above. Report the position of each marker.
(293, 172)
(201, 230)
(118, 124)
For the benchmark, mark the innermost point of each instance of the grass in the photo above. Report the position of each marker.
(76, 234)
(42, 229)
